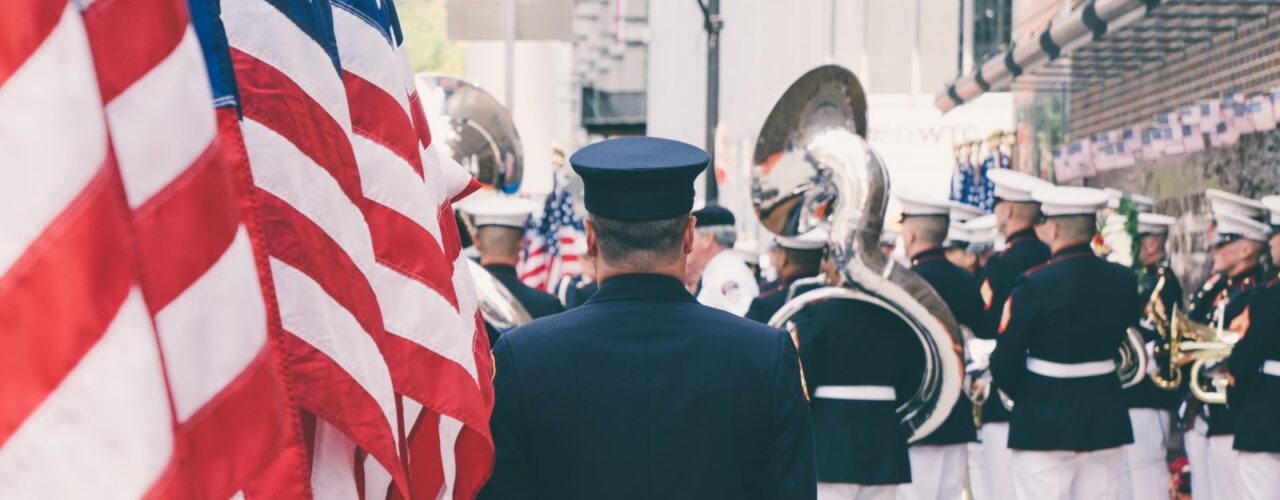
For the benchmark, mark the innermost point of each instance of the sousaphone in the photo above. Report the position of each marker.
(813, 167)
(474, 129)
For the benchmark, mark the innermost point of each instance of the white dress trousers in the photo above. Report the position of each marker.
(1068, 475)
(1146, 475)
(850, 491)
(1197, 445)
(976, 476)
(1224, 468)
(1260, 475)
(998, 465)
(937, 473)
(1215, 472)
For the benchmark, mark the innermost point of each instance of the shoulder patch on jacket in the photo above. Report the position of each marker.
(1004, 316)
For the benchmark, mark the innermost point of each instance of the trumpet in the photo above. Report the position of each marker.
(1203, 347)
(1211, 346)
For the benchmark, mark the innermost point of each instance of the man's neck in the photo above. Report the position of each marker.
(1241, 269)
(674, 269)
(1154, 259)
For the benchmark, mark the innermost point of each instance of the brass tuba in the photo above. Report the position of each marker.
(812, 166)
(470, 126)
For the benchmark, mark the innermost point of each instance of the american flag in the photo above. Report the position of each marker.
(962, 182)
(325, 344)
(136, 353)
(555, 239)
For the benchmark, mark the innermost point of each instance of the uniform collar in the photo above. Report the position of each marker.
(503, 269)
(641, 286)
(1157, 265)
(1073, 251)
(1251, 277)
(928, 255)
(1024, 235)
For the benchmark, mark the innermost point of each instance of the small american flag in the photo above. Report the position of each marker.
(554, 238)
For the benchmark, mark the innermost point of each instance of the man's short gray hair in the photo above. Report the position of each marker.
(725, 236)
(930, 230)
(639, 245)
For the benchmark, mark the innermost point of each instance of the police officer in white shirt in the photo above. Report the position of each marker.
(726, 282)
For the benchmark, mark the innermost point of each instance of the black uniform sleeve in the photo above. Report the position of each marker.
(969, 310)
(792, 473)
(510, 477)
(996, 285)
(1249, 353)
(1009, 360)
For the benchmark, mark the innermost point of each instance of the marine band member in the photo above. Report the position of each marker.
(499, 223)
(1239, 244)
(1255, 367)
(1058, 336)
(796, 258)
(939, 460)
(1016, 213)
(1146, 473)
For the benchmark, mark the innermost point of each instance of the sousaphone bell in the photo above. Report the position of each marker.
(813, 167)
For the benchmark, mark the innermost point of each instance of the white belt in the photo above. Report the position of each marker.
(856, 392)
(1070, 370)
(1271, 367)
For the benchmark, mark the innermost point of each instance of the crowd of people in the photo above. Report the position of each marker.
(657, 375)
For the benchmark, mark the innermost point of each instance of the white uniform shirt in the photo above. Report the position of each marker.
(728, 284)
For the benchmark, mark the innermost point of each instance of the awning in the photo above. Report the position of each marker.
(1063, 35)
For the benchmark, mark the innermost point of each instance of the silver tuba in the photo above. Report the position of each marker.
(475, 130)
(498, 307)
(811, 167)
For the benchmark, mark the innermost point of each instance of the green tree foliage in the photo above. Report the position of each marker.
(424, 32)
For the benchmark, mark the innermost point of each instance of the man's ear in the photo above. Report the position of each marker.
(476, 241)
(591, 238)
(689, 231)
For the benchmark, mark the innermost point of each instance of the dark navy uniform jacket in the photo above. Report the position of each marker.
(1233, 296)
(1023, 251)
(642, 393)
(847, 343)
(773, 295)
(1075, 309)
(1145, 394)
(959, 290)
(537, 302)
(1257, 395)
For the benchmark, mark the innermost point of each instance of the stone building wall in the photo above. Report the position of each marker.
(1250, 168)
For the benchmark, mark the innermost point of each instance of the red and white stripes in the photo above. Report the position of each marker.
(128, 294)
(432, 328)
